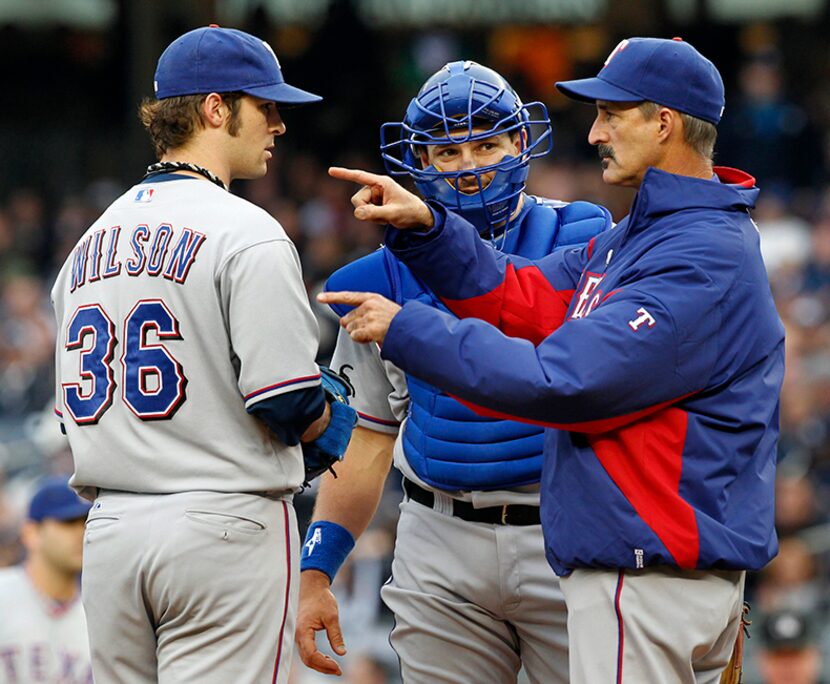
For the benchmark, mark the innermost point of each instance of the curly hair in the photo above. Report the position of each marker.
(171, 122)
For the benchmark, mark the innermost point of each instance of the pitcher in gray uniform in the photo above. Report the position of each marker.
(186, 381)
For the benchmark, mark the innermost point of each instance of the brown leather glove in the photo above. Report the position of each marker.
(733, 671)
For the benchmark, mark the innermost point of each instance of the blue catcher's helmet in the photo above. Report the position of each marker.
(459, 98)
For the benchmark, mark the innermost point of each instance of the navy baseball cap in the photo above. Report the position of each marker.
(788, 629)
(54, 498)
(669, 72)
(222, 60)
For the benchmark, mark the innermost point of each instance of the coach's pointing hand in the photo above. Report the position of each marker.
(382, 200)
(370, 320)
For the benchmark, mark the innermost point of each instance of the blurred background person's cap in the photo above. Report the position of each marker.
(55, 499)
(787, 629)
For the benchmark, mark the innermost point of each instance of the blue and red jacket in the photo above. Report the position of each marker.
(446, 444)
(656, 350)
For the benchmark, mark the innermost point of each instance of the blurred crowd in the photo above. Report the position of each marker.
(765, 132)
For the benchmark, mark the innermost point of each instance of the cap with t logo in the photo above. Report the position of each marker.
(669, 72)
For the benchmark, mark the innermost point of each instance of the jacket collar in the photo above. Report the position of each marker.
(662, 193)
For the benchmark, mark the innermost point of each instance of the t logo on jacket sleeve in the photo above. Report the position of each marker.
(644, 317)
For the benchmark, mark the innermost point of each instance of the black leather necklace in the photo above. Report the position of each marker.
(168, 166)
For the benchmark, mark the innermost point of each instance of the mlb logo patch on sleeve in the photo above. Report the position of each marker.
(144, 195)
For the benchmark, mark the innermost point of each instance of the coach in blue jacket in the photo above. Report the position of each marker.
(656, 349)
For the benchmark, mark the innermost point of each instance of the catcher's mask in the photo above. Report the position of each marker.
(463, 102)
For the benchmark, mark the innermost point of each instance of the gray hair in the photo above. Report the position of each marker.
(700, 135)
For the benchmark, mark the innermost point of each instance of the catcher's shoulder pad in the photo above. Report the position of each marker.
(367, 274)
(581, 221)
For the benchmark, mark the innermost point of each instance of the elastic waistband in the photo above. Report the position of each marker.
(509, 514)
(273, 494)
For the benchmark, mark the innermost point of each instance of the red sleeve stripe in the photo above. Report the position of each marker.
(524, 305)
(286, 383)
(379, 421)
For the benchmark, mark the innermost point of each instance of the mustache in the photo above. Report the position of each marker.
(606, 151)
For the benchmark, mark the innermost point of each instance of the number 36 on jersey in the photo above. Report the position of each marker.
(152, 381)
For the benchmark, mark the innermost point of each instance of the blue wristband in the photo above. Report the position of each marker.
(325, 548)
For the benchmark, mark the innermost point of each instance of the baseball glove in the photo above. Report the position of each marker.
(734, 670)
(321, 454)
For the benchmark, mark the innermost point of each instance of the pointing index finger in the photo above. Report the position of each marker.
(344, 297)
(355, 175)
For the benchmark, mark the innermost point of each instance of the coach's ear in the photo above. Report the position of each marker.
(668, 121)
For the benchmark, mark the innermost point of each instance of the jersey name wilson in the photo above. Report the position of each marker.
(161, 251)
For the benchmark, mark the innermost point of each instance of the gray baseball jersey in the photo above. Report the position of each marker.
(180, 307)
(40, 640)
(472, 601)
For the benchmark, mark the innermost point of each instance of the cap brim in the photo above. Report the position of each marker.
(282, 93)
(593, 89)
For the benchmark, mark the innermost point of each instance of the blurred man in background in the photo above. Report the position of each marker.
(790, 649)
(43, 634)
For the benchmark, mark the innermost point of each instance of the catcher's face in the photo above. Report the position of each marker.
(627, 143)
(471, 155)
(253, 145)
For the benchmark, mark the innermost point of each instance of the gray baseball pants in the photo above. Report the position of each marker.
(474, 602)
(190, 587)
(652, 625)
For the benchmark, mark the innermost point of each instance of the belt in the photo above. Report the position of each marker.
(512, 514)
